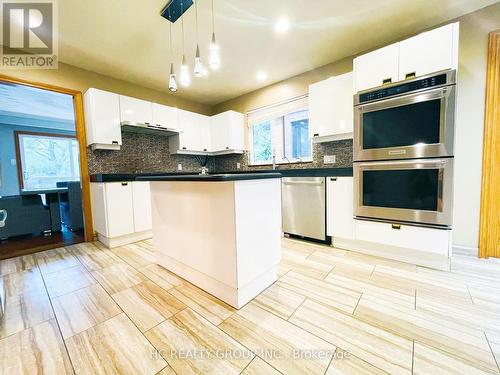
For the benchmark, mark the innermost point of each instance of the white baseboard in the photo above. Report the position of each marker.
(123, 240)
(412, 256)
(465, 250)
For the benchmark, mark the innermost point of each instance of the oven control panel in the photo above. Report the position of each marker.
(403, 88)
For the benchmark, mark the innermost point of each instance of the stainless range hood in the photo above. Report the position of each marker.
(145, 128)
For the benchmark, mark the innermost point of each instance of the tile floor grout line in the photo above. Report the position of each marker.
(294, 311)
(492, 352)
(331, 359)
(357, 303)
(413, 356)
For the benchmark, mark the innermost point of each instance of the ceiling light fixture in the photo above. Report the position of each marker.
(172, 83)
(199, 69)
(282, 25)
(261, 76)
(184, 77)
(214, 56)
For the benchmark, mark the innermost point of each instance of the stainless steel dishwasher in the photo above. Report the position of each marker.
(304, 207)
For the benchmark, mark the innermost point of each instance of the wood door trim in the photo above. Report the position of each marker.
(82, 143)
(489, 228)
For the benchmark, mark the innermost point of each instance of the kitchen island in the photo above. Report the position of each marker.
(220, 232)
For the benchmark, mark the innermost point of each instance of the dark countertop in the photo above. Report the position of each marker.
(309, 172)
(211, 177)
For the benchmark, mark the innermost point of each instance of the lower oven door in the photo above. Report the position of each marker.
(415, 191)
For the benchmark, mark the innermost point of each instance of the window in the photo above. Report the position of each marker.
(281, 131)
(45, 159)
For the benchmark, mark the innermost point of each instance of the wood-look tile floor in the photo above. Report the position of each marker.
(85, 309)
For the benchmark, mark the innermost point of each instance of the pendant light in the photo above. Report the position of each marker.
(184, 77)
(172, 83)
(214, 57)
(199, 69)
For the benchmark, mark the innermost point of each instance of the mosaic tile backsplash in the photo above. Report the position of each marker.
(145, 153)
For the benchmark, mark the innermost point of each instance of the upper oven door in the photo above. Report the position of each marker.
(416, 191)
(417, 125)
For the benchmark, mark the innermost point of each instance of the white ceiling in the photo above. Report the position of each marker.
(127, 39)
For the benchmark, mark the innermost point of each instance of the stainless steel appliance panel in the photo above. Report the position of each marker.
(304, 207)
(415, 123)
(415, 191)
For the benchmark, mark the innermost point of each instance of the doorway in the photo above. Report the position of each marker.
(44, 186)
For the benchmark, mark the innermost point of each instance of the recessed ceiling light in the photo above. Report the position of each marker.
(282, 25)
(261, 76)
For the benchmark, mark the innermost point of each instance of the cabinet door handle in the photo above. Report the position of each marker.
(386, 81)
(396, 226)
(114, 142)
(333, 178)
(410, 75)
(124, 183)
(227, 148)
(184, 148)
(316, 135)
(204, 149)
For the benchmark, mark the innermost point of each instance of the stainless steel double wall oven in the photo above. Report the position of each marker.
(403, 150)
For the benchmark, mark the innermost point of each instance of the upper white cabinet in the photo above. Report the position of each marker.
(227, 131)
(189, 138)
(330, 108)
(376, 68)
(203, 123)
(135, 111)
(339, 211)
(165, 116)
(429, 52)
(102, 119)
(425, 53)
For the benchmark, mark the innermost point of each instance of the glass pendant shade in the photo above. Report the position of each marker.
(214, 56)
(198, 64)
(172, 83)
(184, 77)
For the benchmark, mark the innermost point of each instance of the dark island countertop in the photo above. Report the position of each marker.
(297, 172)
(211, 177)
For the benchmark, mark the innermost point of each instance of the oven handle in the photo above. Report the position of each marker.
(398, 101)
(403, 162)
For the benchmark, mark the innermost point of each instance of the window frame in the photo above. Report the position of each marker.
(17, 141)
(280, 159)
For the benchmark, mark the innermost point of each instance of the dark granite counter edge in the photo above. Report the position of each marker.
(211, 178)
(309, 172)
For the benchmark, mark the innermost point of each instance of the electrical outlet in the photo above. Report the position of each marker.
(329, 159)
(179, 167)
(238, 165)
(13, 162)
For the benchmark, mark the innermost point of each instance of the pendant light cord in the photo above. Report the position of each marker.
(213, 22)
(196, 12)
(182, 25)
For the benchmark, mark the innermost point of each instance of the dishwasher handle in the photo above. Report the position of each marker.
(314, 183)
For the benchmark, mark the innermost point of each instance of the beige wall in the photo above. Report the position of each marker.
(474, 29)
(71, 77)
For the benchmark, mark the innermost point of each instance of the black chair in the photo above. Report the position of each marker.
(71, 205)
(26, 214)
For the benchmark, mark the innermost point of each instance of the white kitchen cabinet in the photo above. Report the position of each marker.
(331, 108)
(189, 138)
(376, 68)
(121, 211)
(165, 116)
(339, 211)
(141, 201)
(429, 52)
(102, 119)
(227, 131)
(135, 111)
(203, 124)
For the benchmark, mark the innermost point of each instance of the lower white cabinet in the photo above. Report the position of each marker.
(121, 211)
(339, 212)
(428, 240)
